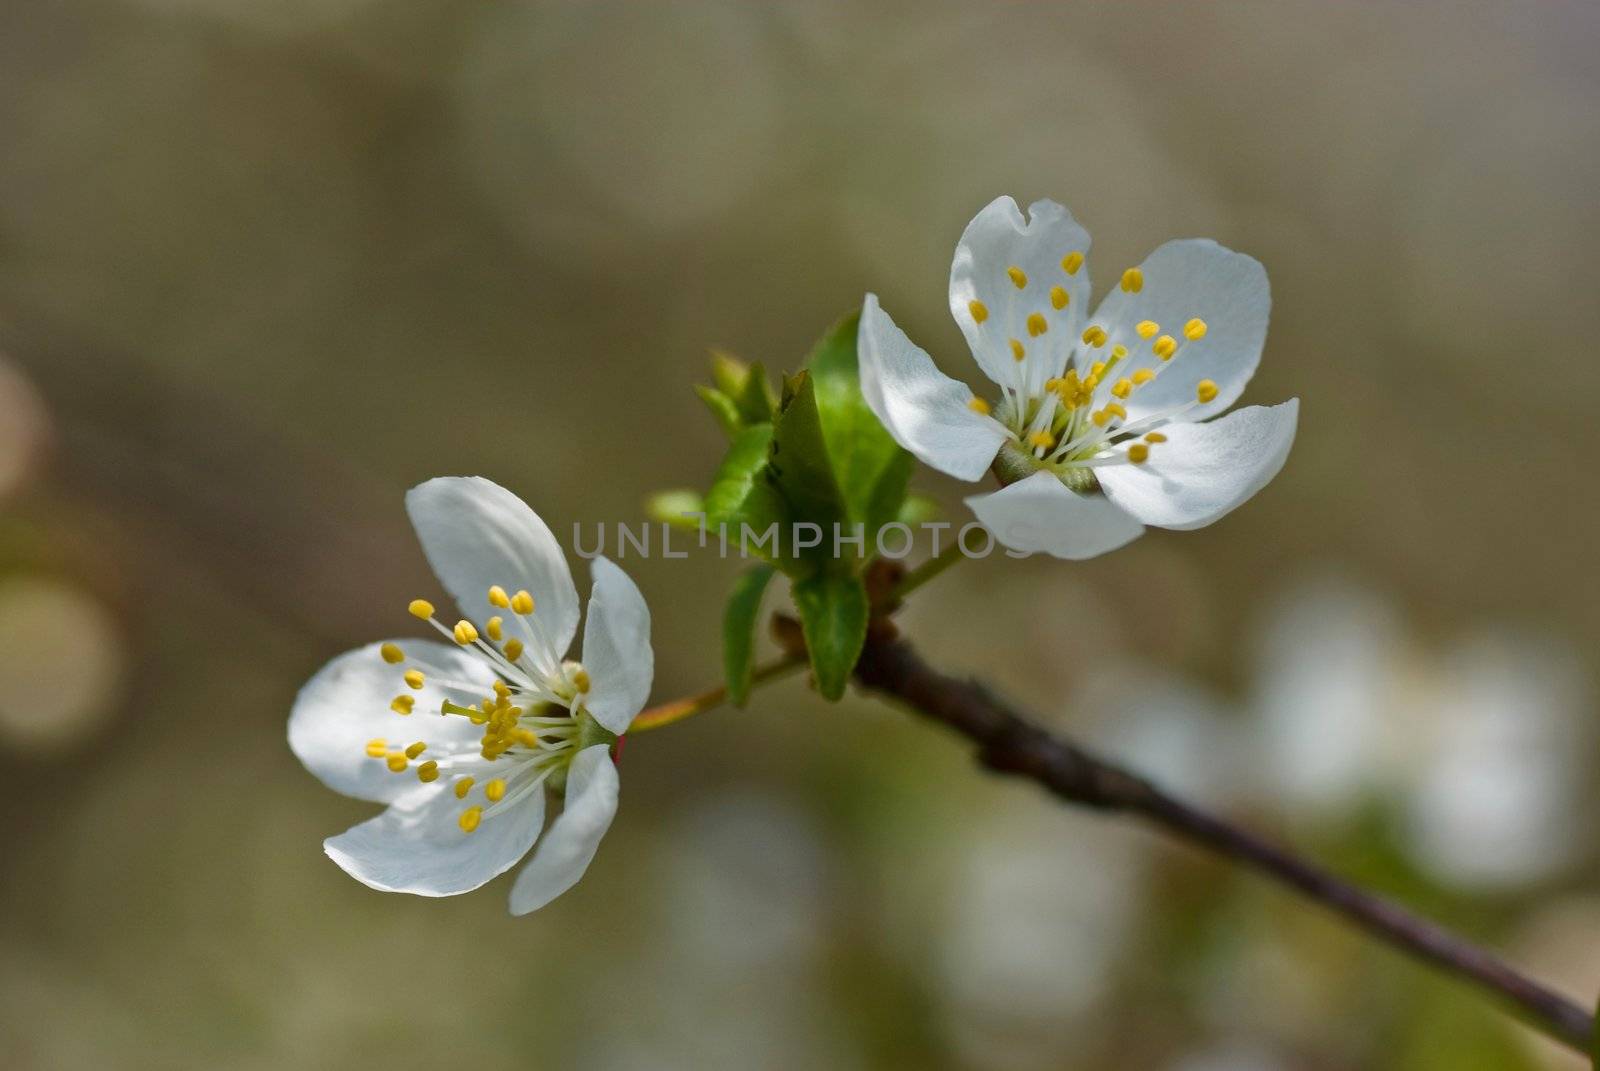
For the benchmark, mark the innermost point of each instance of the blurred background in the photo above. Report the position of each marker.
(265, 265)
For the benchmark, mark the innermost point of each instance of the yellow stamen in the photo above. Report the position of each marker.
(1071, 263)
(1143, 376)
(1194, 330)
(397, 762)
(428, 772)
(1138, 453)
(1094, 335)
(421, 608)
(493, 628)
(403, 704)
(1155, 437)
(1017, 350)
(1146, 328)
(462, 787)
(392, 653)
(522, 603)
(1132, 281)
(1019, 278)
(470, 819)
(377, 748)
(513, 649)
(502, 690)
(1037, 325)
(1097, 370)
(416, 749)
(495, 790)
(1122, 388)
(1205, 391)
(580, 680)
(1100, 418)
(466, 633)
(1116, 410)
(1164, 347)
(498, 598)
(414, 679)
(980, 311)
(1041, 438)
(978, 405)
(1059, 298)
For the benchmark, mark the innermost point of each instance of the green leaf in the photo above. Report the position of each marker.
(670, 507)
(870, 467)
(722, 408)
(833, 616)
(754, 400)
(739, 619)
(728, 372)
(800, 466)
(741, 493)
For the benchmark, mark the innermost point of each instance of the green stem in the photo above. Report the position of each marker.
(926, 571)
(677, 710)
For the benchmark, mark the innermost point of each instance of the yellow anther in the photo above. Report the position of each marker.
(1143, 376)
(1071, 263)
(522, 603)
(1205, 391)
(428, 772)
(1118, 352)
(1132, 281)
(398, 762)
(494, 628)
(1116, 410)
(1090, 382)
(502, 690)
(980, 311)
(1122, 388)
(1100, 418)
(416, 749)
(1037, 325)
(414, 679)
(1164, 347)
(1041, 438)
(1094, 335)
(1016, 350)
(470, 819)
(1059, 297)
(421, 608)
(466, 633)
(526, 737)
(1019, 278)
(1097, 370)
(1194, 330)
(1155, 437)
(978, 405)
(580, 680)
(495, 790)
(513, 649)
(378, 748)
(499, 598)
(1146, 328)
(403, 704)
(462, 787)
(1138, 453)
(392, 653)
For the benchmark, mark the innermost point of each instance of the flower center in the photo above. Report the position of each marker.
(1076, 422)
(533, 723)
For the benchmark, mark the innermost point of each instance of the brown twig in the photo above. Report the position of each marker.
(1010, 743)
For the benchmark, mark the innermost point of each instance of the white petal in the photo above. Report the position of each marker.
(1203, 471)
(616, 648)
(422, 849)
(565, 853)
(1040, 514)
(925, 410)
(347, 704)
(477, 534)
(1190, 279)
(997, 239)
